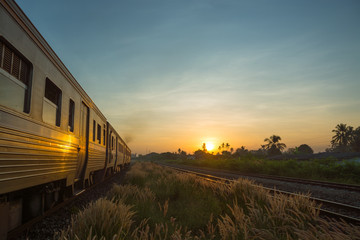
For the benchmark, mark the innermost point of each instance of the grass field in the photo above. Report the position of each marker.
(158, 203)
(329, 169)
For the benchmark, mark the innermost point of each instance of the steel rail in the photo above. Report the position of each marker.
(322, 202)
(350, 187)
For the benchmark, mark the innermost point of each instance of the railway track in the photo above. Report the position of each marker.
(330, 209)
(342, 186)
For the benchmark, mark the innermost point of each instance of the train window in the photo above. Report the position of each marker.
(94, 130)
(112, 143)
(71, 115)
(99, 133)
(14, 78)
(52, 103)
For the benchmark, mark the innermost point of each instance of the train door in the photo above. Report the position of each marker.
(83, 142)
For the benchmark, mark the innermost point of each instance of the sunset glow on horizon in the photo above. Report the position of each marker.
(209, 146)
(177, 74)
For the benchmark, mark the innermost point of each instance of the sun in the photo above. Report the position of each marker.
(209, 146)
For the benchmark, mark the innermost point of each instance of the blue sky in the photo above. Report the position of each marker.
(174, 74)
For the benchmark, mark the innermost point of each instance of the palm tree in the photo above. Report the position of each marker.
(227, 145)
(274, 145)
(342, 137)
(355, 142)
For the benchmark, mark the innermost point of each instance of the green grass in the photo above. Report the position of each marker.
(317, 169)
(158, 203)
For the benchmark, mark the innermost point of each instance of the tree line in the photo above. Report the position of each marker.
(345, 139)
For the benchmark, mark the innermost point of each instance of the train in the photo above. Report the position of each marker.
(54, 140)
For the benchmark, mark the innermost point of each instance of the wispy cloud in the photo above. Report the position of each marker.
(171, 74)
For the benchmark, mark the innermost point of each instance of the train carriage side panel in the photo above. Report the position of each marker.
(120, 162)
(32, 151)
(111, 158)
(51, 132)
(122, 152)
(42, 126)
(97, 143)
(128, 155)
(119, 156)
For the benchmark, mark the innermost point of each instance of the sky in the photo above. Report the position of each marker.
(171, 74)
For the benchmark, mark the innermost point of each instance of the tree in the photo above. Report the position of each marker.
(342, 138)
(183, 154)
(304, 149)
(199, 154)
(204, 147)
(273, 151)
(355, 140)
(224, 147)
(226, 153)
(273, 146)
(291, 151)
(242, 151)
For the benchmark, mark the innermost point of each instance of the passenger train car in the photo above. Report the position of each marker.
(53, 138)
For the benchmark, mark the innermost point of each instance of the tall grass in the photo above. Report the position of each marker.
(158, 203)
(108, 219)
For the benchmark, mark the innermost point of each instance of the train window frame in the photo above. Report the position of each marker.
(71, 115)
(22, 78)
(94, 130)
(99, 133)
(53, 95)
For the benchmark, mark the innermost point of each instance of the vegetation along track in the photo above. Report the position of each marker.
(58, 217)
(329, 207)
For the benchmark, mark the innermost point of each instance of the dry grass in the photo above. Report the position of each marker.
(130, 192)
(171, 205)
(103, 218)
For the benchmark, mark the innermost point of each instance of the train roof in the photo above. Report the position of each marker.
(15, 11)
